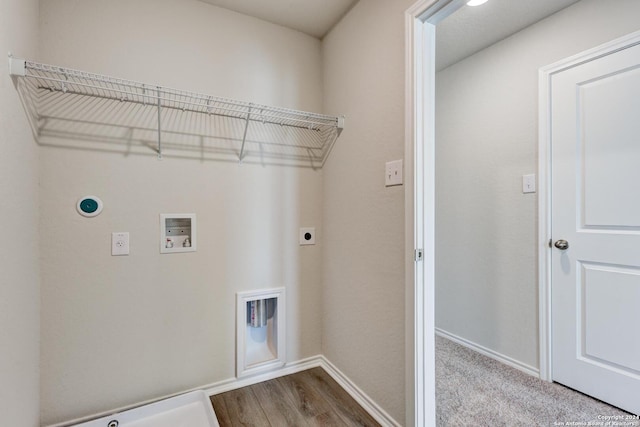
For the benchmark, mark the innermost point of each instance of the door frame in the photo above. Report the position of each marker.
(545, 75)
(420, 22)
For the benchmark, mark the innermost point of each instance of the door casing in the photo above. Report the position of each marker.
(544, 186)
(420, 21)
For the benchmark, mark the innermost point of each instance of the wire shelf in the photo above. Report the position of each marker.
(77, 105)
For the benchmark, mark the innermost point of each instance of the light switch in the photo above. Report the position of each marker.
(120, 243)
(529, 183)
(393, 173)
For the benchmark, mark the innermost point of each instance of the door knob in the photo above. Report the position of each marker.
(563, 245)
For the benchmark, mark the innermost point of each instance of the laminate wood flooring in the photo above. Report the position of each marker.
(308, 398)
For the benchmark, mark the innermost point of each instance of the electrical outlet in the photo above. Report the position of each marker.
(307, 236)
(120, 243)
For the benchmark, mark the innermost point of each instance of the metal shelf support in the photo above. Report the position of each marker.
(244, 135)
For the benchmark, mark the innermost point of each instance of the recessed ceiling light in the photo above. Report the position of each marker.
(476, 2)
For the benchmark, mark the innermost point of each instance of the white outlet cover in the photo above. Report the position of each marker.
(120, 243)
(307, 236)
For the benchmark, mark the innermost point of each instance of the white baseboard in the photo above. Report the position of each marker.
(210, 389)
(287, 369)
(379, 414)
(528, 369)
(354, 391)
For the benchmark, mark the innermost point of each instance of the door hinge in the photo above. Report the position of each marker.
(418, 255)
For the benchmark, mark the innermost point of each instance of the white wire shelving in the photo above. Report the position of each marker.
(78, 106)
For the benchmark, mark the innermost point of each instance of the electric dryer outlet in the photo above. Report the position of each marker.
(307, 236)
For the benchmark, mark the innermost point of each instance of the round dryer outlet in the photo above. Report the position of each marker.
(307, 236)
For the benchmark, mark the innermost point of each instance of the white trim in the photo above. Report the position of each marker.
(359, 396)
(544, 175)
(420, 385)
(349, 386)
(544, 227)
(409, 230)
(420, 22)
(597, 52)
(288, 369)
(368, 404)
(521, 366)
(210, 389)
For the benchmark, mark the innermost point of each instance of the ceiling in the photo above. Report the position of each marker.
(464, 33)
(472, 29)
(313, 17)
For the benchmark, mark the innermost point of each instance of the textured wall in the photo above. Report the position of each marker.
(19, 281)
(486, 131)
(120, 330)
(363, 251)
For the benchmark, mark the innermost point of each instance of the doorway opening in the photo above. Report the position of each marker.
(424, 21)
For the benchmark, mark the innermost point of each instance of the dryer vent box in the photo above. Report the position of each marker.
(260, 340)
(177, 233)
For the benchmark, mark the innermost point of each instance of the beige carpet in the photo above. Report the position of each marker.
(474, 390)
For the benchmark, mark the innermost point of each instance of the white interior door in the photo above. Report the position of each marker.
(595, 208)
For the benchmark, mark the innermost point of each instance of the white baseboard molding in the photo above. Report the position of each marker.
(229, 384)
(528, 369)
(210, 389)
(287, 369)
(379, 414)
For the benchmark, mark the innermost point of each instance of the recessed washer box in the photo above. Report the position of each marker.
(177, 233)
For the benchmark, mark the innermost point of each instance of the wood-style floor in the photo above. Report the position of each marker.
(308, 398)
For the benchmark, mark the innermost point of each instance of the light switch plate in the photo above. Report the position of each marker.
(393, 173)
(120, 243)
(529, 183)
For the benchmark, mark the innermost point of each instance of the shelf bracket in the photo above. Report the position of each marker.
(340, 125)
(159, 127)
(244, 136)
(17, 67)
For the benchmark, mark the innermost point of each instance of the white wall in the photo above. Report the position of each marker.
(486, 133)
(19, 283)
(363, 252)
(119, 330)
